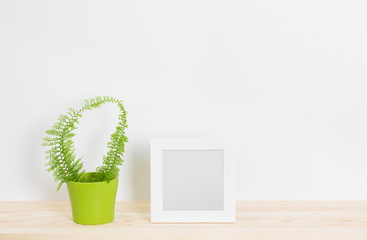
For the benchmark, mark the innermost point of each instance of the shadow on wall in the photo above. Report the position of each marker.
(140, 171)
(40, 184)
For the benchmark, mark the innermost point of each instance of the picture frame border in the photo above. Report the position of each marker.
(158, 215)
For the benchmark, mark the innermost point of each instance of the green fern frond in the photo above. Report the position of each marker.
(61, 155)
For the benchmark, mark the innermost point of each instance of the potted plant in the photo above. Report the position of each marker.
(92, 194)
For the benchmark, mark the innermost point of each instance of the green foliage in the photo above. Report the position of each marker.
(61, 153)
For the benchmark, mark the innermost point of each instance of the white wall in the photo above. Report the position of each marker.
(286, 79)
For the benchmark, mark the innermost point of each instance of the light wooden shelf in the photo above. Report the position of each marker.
(283, 220)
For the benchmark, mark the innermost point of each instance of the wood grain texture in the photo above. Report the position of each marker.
(296, 220)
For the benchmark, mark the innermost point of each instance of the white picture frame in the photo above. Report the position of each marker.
(174, 159)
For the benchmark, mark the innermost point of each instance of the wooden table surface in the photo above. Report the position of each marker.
(296, 220)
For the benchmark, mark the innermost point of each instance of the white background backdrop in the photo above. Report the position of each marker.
(286, 79)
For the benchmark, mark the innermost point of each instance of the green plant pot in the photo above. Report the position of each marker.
(92, 202)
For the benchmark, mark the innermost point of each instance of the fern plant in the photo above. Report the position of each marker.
(62, 160)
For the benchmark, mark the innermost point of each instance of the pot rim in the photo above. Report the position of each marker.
(100, 182)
